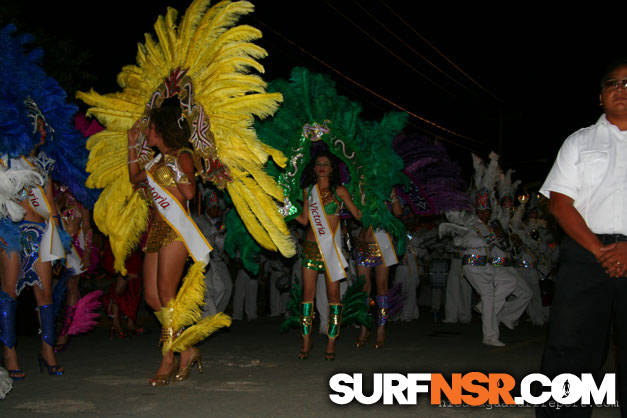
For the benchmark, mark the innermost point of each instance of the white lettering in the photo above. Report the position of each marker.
(525, 390)
(605, 393)
(377, 392)
(340, 383)
(394, 384)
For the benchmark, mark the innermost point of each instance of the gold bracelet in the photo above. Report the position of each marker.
(183, 180)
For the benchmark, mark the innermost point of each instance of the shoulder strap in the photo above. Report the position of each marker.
(182, 150)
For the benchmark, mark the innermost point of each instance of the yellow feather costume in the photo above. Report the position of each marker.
(205, 62)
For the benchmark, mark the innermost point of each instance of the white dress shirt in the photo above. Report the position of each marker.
(591, 168)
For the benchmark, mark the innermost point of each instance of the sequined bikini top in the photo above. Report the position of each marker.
(163, 174)
(333, 206)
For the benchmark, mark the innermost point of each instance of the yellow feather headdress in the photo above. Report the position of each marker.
(205, 62)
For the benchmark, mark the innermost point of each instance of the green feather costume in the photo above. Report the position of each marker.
(311, 111)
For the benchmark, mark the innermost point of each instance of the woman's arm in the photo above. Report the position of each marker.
(303, 218)
(343, 194)
(184, 173)
(85, 218)
(86, 227)
(135, 174)
(397, 209)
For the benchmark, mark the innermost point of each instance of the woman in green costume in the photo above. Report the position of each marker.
(369, 257)
(324, 173)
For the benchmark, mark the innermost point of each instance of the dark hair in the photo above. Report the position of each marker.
(309, 175)
(614, 65)
(169, 124)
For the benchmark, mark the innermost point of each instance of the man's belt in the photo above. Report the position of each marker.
(501, 261)
(524, 264)
(474, 260)
(482, 260)
(607, 239)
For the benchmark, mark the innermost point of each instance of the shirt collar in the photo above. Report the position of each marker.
(603, 121)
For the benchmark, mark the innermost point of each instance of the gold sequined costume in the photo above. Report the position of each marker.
(160, 233)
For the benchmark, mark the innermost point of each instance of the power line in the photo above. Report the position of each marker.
(385, 99)
(425, 40)
(412, 49)
(365, 32)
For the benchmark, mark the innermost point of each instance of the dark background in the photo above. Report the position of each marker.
(529, 76)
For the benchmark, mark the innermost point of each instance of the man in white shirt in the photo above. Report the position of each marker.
(588, 197)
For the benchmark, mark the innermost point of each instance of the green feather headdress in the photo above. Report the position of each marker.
(313, 111)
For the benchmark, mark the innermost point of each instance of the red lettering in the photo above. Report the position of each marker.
(159, 200)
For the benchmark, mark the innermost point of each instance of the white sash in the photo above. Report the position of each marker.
(74, 262)
(176, 216)
(329, 245)
(50, 247)
(384, 242)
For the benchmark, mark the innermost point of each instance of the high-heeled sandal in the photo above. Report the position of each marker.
(304, 355)
(133, 332)
(329, 356)
(53, 370)
(164, 379)
(361, 341)
(115, 332)
(195, 360)
(380, 342)
(16, 374)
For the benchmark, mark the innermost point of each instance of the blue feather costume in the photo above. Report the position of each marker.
(36, 134)
(29, 102)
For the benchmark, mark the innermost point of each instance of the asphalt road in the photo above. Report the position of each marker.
(252, 370)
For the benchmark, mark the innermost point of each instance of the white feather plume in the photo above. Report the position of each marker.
(12, 184)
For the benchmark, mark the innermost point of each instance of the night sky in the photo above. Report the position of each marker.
(535, 72)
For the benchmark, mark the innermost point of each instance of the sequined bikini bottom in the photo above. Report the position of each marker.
(368, 254)
(312, 258)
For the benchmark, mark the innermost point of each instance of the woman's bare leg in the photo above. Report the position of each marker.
(309, 292)
(169, 273)
(333, 295)
(151, 292)
(365, 272)
(120, 286)
(72, 297)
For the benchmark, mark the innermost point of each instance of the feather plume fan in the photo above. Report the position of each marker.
(86, 315)
(216, 57)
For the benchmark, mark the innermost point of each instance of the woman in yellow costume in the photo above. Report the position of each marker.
(197, 76)
(165, 251)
